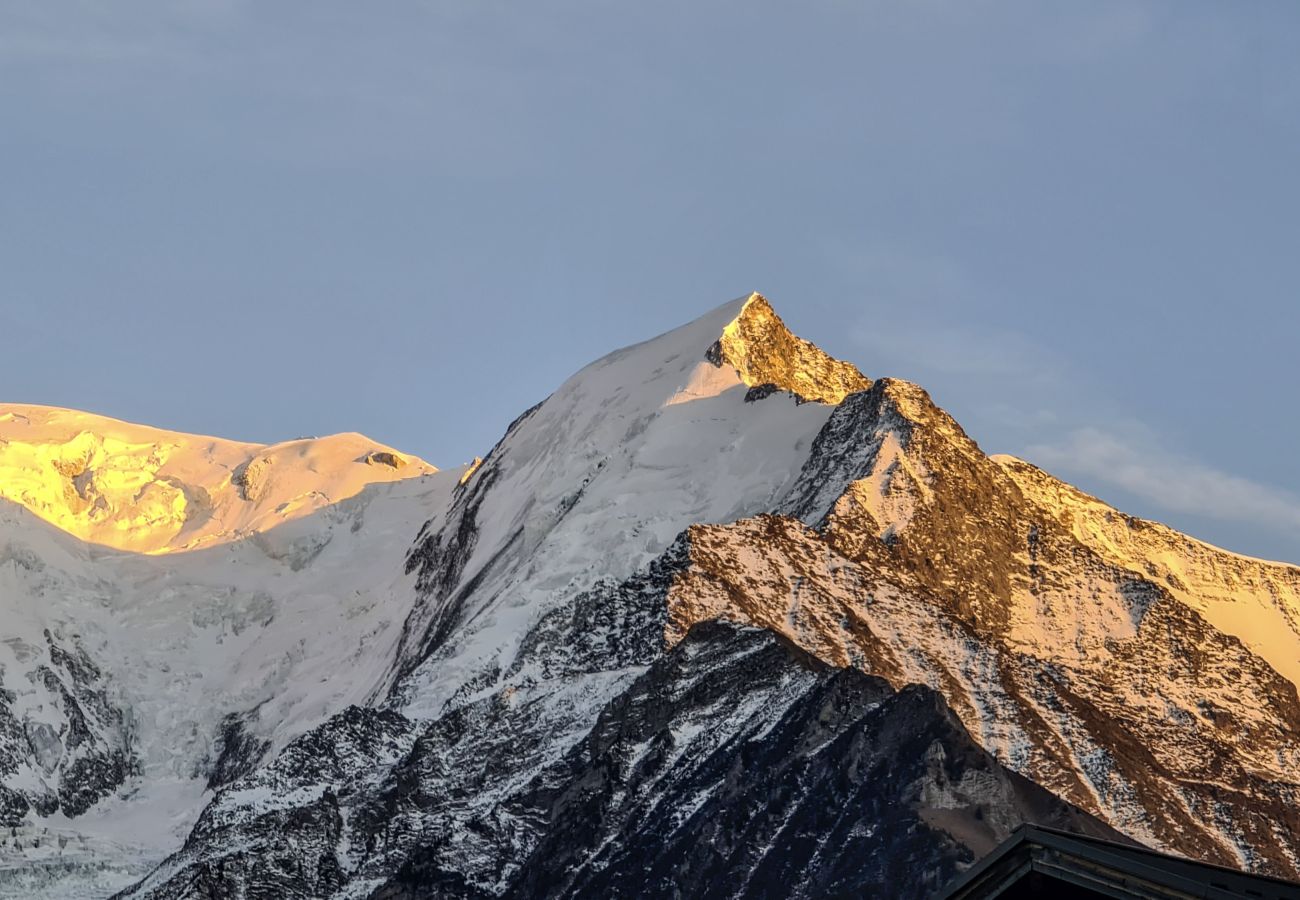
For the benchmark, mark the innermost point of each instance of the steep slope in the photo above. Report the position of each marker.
(737, 766)
(873, 533)
(597, 480)
(143, 489)
(643, 413)
(550, 690)
(768, 357)
(1108, 659)
(583, 490)
(733, 766)
(1250, 599)
(130, 684)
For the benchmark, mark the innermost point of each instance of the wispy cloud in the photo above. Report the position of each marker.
(1169, 480)
(1032, 396)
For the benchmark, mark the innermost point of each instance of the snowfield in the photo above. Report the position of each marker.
(326, 668)
(266, 615)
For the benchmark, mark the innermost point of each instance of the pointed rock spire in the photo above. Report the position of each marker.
(759, 346)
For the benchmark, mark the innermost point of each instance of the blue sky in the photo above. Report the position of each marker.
(1075, 223)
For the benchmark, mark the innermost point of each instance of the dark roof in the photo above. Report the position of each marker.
(1037, 861)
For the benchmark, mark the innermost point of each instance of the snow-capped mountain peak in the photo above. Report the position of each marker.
(757, 344)
(719, 604)
(143, 489)
(709, 421)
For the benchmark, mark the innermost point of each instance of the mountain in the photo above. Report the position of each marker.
(1130, 670)
(131, 682)
(722, 616)
(151, 491)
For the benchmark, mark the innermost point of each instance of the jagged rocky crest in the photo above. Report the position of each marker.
(81, 747)
(1074, 665)
(768, 357)
(738, 765)
(735, 765)
(723, 617)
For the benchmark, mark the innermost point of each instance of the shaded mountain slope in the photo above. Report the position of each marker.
(1086, 665)
(725, 595)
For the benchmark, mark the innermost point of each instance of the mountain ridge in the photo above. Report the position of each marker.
(730, 481)
(145, 489)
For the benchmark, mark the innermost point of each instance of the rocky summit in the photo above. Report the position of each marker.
(720, 617)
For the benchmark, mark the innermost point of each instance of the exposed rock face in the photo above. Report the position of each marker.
(439, 560)
(65, 738)
(766, 354)
(1080, 664)
(452, 789)
(238, 751)
(13, 807)
(723, 617)
(276, 832)
(385, 458)
(130, 683)
(738, 766)
(731, 767)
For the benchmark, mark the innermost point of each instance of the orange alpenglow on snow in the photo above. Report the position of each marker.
(146, 490)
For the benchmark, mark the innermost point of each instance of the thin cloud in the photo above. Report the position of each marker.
(1168, 480)
(1033, 397)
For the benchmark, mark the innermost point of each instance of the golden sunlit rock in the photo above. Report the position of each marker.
(473, 467)
(764, 352)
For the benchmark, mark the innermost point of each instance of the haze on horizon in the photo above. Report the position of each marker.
(1074, 226)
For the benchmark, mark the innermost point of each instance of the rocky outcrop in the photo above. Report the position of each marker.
(276, 832)
(403, 787)
(768, 356)
(736, 765)
(384, 458)
(723, 617)
(1075, 660)
(739, 766)
(67, 745)
(238, 751)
